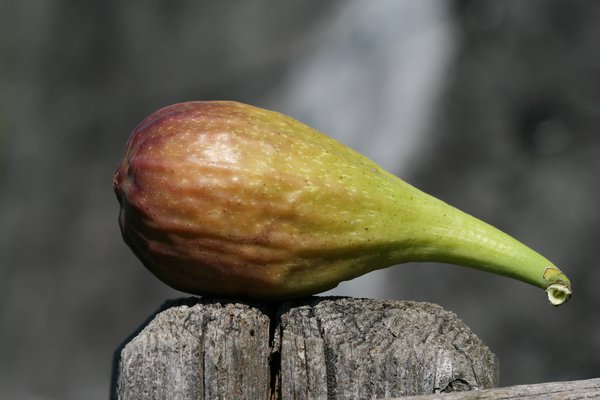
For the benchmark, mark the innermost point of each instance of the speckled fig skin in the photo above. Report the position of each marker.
(224, 198)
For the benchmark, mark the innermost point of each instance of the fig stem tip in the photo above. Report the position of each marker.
(558, 293)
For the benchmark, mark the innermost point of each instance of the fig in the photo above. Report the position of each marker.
(224, 198)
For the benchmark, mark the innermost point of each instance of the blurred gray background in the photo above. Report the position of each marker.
(492, 106)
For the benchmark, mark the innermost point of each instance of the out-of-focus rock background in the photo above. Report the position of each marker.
(492, 106)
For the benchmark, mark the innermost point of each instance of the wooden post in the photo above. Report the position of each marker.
(316, 348)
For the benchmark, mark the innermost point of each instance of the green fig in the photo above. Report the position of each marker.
(224, 198)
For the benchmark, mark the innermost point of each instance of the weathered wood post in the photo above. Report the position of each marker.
(316, 348)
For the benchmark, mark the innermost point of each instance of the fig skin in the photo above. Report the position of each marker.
(224, 198)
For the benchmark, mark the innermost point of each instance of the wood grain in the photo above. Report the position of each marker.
(571, 390)
(317, 348)
(205, 349)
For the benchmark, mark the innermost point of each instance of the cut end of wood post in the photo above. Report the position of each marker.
(558, 293)
(330, 347)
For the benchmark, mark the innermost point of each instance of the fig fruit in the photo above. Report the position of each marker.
(224, 198)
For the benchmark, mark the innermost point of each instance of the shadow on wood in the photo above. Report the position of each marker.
(320, 348)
